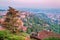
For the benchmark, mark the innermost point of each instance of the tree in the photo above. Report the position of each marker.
(12, 21)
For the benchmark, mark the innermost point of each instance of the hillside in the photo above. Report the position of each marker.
(39, 21)
(53, 25)
(33, 22)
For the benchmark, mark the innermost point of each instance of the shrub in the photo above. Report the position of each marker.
(3, 34)
(6, 35)
(51, 38)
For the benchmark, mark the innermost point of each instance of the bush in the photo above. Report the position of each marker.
(6, 35)
(15, 37)
(52, 38)
(3, 34)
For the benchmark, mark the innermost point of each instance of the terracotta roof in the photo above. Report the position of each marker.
(44, 33)
(1, 28)
(24, 28)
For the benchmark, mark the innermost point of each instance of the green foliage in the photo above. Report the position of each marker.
(0, 16)
(6, 35)
(51, 38)
(29, 30)
(55, 27)
(32, 39)
(39, 24)
(15, 37)
(34, 21)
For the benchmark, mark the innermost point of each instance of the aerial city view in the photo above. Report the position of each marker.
(29, 19)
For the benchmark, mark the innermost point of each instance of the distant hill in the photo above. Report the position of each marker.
(39, 21)
(2, 10)
(34, 23)
(45, 10)
(53, 25)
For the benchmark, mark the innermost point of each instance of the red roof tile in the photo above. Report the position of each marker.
(44, 33)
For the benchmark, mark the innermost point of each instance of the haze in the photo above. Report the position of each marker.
(30, 3)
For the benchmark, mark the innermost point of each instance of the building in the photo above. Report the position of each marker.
(43, 34)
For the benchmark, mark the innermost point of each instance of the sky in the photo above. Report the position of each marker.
(30, 3)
